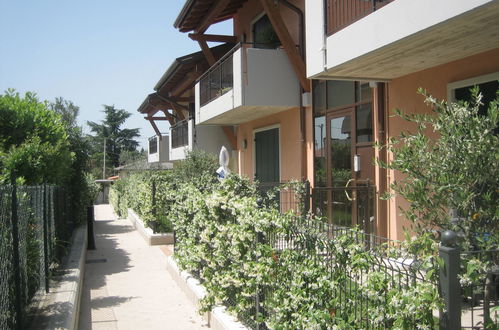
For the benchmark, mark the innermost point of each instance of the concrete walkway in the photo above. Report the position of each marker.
(126, 284)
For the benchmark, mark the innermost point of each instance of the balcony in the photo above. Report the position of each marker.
(158, 149)
(246, 84)
(383, 40)
(185, 136)
(341, 13)
(180, 134)
(181, 139)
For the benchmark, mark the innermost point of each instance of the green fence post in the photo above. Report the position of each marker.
(45, 237)
(15, 255)
(450, 319)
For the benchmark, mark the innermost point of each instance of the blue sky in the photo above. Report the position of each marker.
(92, 52)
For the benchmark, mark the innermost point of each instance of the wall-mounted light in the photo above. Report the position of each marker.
(356, 163)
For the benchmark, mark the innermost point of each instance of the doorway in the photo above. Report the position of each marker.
(266, 160)
(343, 155)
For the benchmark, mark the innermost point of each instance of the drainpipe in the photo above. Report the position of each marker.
(301, 41)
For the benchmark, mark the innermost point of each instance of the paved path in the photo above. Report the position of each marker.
(126, 284)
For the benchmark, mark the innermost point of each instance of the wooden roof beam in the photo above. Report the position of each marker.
(212, 37)
(153, 124)
(185, 84)
(178, 111)
(212, 15)
(208, 54)
(287, 42)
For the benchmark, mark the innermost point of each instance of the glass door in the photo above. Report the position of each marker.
(341, 198)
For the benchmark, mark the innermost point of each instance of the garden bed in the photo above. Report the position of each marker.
(147, 233)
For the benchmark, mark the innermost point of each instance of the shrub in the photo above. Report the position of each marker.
(458, 170)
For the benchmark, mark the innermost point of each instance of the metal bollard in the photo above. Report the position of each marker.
(90, 228)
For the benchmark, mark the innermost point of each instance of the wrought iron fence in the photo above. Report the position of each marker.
(399, 269)
(347, 206)
(480, 294)
(35, 227)
(286, 196)
(180, 134)
(341, 13)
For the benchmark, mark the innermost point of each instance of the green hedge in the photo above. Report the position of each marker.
(240, 249)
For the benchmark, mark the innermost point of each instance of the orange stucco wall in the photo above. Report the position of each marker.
(402, 94)
(289, 138)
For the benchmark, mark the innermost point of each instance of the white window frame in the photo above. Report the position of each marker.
(451, 87)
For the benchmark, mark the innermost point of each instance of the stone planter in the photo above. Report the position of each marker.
(147, 233)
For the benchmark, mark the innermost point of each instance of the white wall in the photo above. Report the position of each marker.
(315, 36)
(164, 148)
(262, 77)
(271, 80)
(393, 22)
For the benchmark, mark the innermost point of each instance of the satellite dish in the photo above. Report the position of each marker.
(223, 158)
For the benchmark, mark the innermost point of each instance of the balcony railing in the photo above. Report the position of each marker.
(153, 145)
(341, 13)
(218, 80)
(180, 134)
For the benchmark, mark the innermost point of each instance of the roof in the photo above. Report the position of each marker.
(151, 101)
(194, 11)
(185, 64)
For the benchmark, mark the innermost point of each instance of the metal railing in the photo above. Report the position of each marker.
(35, 227)
(286, 196)
(346, 206)
(219, 79)
(180, 134)
(153, 145)
(341, 13)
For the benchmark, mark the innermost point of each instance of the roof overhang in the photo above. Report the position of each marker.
(195, 11)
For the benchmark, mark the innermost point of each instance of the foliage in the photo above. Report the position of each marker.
(231, 245)
(33, 141)
(116, 138)
(67, 110)
(240, 249)
(458, 170)
(198, 167)
(136, 192)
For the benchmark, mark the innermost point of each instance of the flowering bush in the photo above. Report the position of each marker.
(298, 272)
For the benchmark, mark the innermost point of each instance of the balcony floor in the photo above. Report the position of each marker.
(244, 114)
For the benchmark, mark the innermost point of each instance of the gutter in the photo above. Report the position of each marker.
(183, 13)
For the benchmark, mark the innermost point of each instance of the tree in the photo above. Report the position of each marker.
(459, 170)
(115, 138)
(33, 141)
(66, 109)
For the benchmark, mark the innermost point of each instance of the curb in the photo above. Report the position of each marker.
(147, 233)
(218, 318)
(60, 308)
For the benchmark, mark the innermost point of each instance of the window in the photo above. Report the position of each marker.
(488, 85)
(264, 35)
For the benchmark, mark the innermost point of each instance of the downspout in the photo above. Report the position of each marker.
(301, 41)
